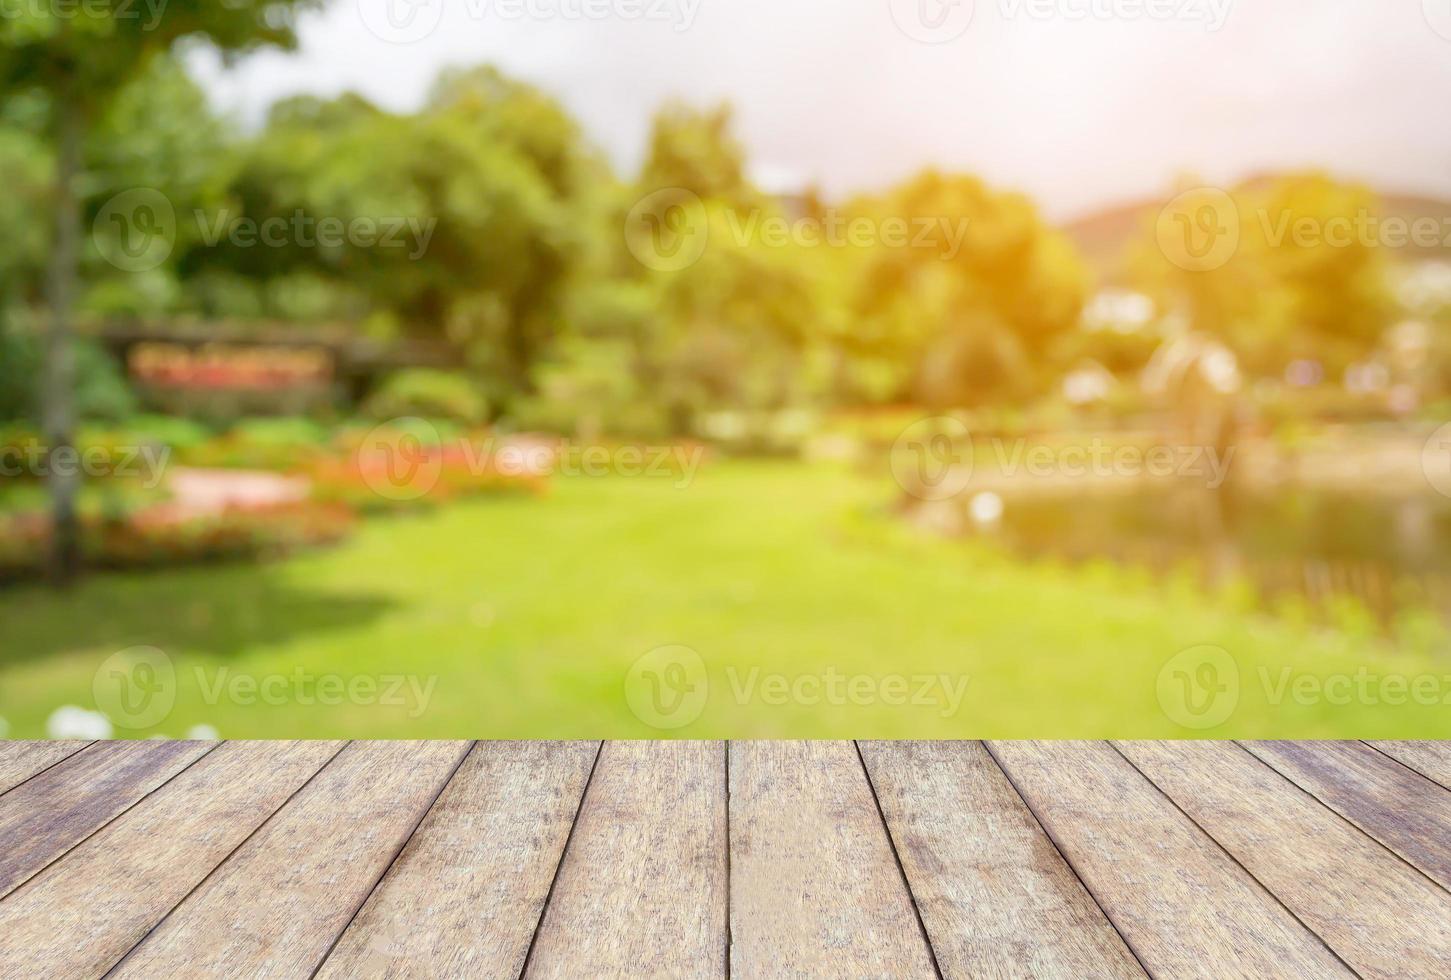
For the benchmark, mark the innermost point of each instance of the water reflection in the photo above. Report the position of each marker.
(1391, 553)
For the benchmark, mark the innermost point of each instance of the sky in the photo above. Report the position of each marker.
(1079, 103)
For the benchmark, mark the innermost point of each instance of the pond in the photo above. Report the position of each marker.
(1391, 553)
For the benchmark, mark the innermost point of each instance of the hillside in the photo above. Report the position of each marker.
(1103, 236)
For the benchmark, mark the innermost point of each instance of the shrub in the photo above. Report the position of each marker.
(101, 393)
(284, 445)
(429, 394)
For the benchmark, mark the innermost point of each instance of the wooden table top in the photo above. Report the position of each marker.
(749, 859)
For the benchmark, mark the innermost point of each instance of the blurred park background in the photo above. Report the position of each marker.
(375, 422)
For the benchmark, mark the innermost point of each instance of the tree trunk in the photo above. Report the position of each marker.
(58, 377)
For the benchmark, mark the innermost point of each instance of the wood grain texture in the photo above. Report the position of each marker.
(1186, 908)
(815, 888)
(1382, 916)
(1430, 759)
(997, 898)
(146, 860)
(48, 815)
(464, 897)
(275, 907)
(21, 760)
(1402, 809)
(641, 891)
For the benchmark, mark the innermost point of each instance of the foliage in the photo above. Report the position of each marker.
(87, 52)
(969, 317)
(698, 152)
(102, 392)
(509, 247)
(480, 195)
(428, 394)
(1284, 294)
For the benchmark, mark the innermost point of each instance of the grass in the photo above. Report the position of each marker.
(811, 609)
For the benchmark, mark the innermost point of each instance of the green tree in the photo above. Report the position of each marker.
(1302, 282)
(967, 309)
(696, 150)
(738, 327)
(78, 58)
(491, 180)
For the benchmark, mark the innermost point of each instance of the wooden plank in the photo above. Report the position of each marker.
(43, 818)
(1430, 759)
(275, 907)
(1184, 906)
(1402, 809)
(996, 897)
(1378, 913)
(815, 888)
(81, 915)
(21, 760)
(642, 888)
(481, 864)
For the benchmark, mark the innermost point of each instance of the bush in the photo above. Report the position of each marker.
(19, 368)
(163, 430)
(429, 394)
(102, 391)
(284, 445)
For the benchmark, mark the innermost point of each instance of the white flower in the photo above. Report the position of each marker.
(203, 733)
(986, 508)
(70, 722)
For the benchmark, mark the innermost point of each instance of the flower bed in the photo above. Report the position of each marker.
(387, 478)
(159, 537)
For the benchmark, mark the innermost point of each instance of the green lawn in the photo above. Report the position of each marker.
(523, 617)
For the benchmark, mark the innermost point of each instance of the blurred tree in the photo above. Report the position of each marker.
(969, 305)
(158, 132)
(487, 188)
(738, 328)
(78, 58)
(695, 150)
(1308, 278)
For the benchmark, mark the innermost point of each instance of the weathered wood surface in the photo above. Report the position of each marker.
(642, 888)
(1430, 759)
(1382, 916)
(753, 859)
(20, 761)
(481, 864)
(55, 810)
(997, 898)
(1404, 810)
(1185, 906)
(276, 906)
(145, 861)
(815, 887)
